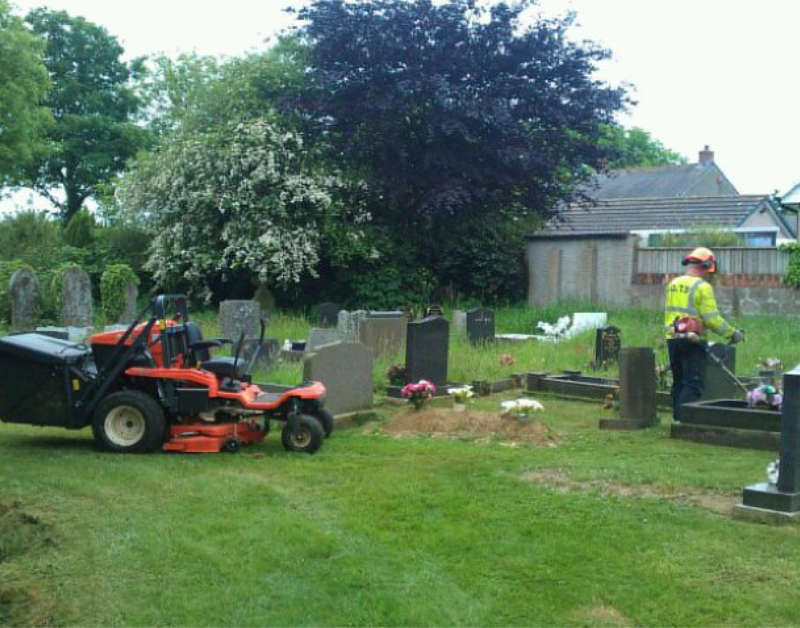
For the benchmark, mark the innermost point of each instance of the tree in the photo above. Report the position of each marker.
(247, 198)
(92, 104)
(455, 108)
(23, 85)
(636, 148)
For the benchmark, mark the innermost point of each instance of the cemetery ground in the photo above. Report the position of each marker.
(393, 526)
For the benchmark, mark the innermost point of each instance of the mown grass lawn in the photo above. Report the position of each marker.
(607, 528)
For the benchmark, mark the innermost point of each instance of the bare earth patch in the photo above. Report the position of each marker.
(444, 422)
(716, 502)
(601, 615)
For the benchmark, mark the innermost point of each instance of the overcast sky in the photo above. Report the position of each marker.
(715, 72)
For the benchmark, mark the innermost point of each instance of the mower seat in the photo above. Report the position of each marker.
(223, 367)
(198, 347)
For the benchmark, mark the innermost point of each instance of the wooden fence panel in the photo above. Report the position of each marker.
(731, 260)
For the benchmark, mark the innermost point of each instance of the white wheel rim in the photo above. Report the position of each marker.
(304, 439)
(124, 426)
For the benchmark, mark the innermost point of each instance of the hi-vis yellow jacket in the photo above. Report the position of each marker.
(689, 296)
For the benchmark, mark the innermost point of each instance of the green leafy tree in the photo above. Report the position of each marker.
(23, 85)
(92, 104)
(244, 199)
(636, 148)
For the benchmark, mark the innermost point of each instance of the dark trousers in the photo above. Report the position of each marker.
(687, 360)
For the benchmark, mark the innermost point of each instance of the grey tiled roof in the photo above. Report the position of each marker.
(624, 215)
(663, 181)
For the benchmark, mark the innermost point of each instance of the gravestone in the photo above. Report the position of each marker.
(717, 384)
(426, 350)
(384, 334)
(23, 288)
(319, 336)
(129, 311)
(349, 324)
(346, 370)
(637, 390)
(607, 343)
(459, 321)
(263, 296)
(269, 354)
(782, 500)
(237, 316)
(480, 325)
(327, 314)
(434, 310)
(76, 298)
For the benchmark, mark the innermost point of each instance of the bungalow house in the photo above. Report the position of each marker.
(588, 250)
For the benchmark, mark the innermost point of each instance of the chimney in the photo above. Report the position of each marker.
(706, 156)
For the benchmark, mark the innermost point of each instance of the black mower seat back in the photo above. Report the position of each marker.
(224, 367)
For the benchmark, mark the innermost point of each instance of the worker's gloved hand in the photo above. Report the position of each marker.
(738, 336)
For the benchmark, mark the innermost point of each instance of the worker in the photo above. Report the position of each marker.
(689, 310)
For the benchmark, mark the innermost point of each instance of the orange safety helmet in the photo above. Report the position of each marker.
(703, 256)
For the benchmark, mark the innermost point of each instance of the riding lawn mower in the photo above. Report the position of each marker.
(154, 386)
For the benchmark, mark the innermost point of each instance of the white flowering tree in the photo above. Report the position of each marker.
(252, 198)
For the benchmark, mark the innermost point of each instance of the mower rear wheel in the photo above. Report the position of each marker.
(129, 421)
(309, 438)
(326, 420)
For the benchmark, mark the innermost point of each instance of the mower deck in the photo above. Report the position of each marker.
(213, 437)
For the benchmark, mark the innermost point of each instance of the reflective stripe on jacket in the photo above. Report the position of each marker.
(689, 296)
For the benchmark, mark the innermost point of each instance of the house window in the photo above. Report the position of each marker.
(759, 238)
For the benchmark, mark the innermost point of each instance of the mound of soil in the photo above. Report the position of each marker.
(470, 423)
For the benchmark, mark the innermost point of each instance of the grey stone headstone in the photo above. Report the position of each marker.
(129, 311)
(459, 321)
(386, 314)
(385, 334)
(349, 324)
(23, 287)
(237, 316)
(319, 336)
(76, 298)
(717, 384)
(269, 354)
(263, 296)
(427, 345)
(346, 370)
(327, 314)
(480, 325)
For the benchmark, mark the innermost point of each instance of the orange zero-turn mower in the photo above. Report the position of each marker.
(155, 386)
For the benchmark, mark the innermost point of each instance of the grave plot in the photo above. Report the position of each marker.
(729, 422)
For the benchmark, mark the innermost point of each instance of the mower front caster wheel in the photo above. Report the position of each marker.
(308, 438)
(326, 420)
(129, 421)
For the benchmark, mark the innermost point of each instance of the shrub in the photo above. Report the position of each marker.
(79, 231)
(112, 289)
(792, 277)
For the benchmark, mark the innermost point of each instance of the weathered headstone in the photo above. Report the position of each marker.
(237, 316)
(781, 500)
(23, 288)
(480, 325)
(434, 310)
(459, 321)
(263, 296)
(76, 298)
(327, 314)
(349, 324)
(637, 390)
(384, 334)
(607, 343)
(346, 370)
(717, 384)
(129, 311)
(427, 344)
(319, 336)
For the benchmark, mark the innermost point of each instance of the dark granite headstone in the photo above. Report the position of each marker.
(717, 384)
(637, 390)
(327, 314)
(346, 370)
(76, 298)
(480, 325)
(427, 344)
(607, 343)
(23, 288)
